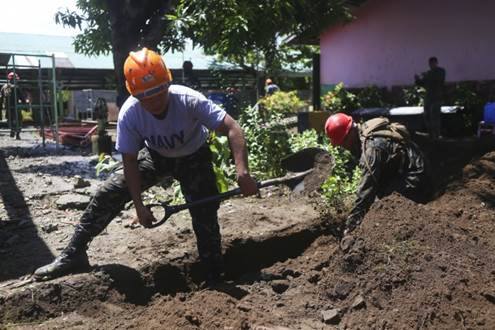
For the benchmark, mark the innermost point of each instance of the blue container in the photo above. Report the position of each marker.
(489, 113)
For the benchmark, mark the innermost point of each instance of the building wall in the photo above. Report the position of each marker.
(391, 40)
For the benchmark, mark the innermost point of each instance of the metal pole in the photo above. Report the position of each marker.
(55, 108)
(15, 99)
(42, 109)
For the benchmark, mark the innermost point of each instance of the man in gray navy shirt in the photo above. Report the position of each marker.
(173, 123)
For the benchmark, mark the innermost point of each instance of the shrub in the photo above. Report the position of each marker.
(282, 102)
(414, 95)
(267, 141)
(371, 97)
(340, 100)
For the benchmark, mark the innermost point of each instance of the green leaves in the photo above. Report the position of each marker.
(105, 164)
(267, 140)
(222, 163)
(340, 100)
(282, 102)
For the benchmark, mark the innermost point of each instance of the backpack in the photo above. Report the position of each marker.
(382, 127)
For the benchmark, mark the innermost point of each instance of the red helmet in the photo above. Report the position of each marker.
(10, 76)
(337, 127)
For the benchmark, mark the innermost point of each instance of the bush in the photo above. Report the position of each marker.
(414, 96)
(340, 100)
(267, 141)
(371, 97)
(282, 102)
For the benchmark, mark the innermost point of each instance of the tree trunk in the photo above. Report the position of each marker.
(129, 31)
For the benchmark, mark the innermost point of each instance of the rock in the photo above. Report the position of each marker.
(93, 160)
(331, 316)
(346, 243)
(314, 277)
(194, 320)
(80, 182)
(358, 303)
(280, 286)
(72, 201)
(341, 290)
(289, 272)
(243, 307)
(48, 228)
(490, 296)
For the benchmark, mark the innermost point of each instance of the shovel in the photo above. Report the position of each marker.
(307, 170)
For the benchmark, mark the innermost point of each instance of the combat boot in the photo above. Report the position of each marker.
(69, 261)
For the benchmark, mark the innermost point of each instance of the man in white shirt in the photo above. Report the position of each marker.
(172, 123)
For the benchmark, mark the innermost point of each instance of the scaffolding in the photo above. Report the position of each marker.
(38, 73)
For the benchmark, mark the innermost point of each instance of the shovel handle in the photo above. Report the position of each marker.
(172, 209)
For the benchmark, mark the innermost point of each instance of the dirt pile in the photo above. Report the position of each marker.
(407, 266)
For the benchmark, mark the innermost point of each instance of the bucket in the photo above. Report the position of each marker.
(489, 113)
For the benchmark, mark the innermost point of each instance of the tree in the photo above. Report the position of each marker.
(248, 33)
(252, 33)
(119, 26)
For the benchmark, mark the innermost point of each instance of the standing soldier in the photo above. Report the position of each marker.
(172, 122)
(10, 96)
(433, 81)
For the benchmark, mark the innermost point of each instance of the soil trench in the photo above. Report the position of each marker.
(408, 266)
(244, 260)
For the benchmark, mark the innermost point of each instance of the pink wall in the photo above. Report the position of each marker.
(391, 40)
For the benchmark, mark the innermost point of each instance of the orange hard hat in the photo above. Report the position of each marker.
(146, 74)
(337, 127)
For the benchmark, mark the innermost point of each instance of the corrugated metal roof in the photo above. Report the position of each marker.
(65, 56)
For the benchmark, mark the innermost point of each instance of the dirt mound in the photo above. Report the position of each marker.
(407, 266)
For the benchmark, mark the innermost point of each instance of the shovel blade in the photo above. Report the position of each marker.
(302, 160)
(318, 161)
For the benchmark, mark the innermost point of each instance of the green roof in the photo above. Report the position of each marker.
(65, 56)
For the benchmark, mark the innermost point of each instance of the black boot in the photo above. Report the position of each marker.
(72, 259)
(214, 271)
(69, 261)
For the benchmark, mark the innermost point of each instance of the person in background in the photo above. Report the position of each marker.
(173, 123)
(189, 79)
(11, 96)
(433, 81)
(271, 87)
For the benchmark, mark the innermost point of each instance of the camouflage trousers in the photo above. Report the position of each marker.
(197, 180)
(431, 115)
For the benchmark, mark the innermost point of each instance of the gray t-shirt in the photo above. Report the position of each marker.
(184, 129)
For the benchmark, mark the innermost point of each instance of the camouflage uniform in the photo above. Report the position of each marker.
(433, 81)
(8, 94)
(197, 179)
(388, 165)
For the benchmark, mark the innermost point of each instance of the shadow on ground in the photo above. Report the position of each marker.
(21, 248)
